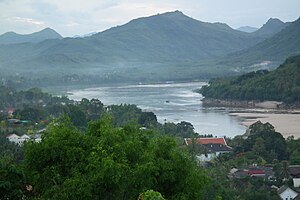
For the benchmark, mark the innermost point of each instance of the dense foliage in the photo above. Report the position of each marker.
(282, 84)
(108, 162)
(263, 142)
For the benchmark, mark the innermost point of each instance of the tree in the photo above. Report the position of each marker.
(151, 195)
(110, 162)
(12, 181)
(265, 141)
(77, 116)
(259, 146)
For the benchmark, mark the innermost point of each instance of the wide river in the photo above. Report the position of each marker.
(172, 102)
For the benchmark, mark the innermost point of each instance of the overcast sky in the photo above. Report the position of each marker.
(77, 17)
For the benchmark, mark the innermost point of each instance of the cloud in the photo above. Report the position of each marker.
(29, 21)
(71, 24)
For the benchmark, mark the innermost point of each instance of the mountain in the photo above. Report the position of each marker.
(247, 29)
(271, 51)
(168, 37)
(270, 28)
(172, 36)
(168, 46)
(14, 38)
(281, 84)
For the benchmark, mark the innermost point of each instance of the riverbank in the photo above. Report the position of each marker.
(287, 123)
(209, 102)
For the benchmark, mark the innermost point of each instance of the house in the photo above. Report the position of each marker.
(14, 121)
(18, 139)
(13, 138)
(294, 171)
(23, 138)
(256, 173)
(238, 173)
(213, 147)
(203, 141)
(10, 112)
(287, 193)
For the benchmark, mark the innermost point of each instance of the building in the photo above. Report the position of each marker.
(287, 193)
(294, 171)
(212, 147)
(13, 138)
(18, 139)
(256, 172)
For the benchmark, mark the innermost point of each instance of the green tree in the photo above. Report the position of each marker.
(110, 162)
(12, 180)
(151, 195)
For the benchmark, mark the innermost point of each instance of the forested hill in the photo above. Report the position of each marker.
(282, 84)
(276, 49)
(160, 40)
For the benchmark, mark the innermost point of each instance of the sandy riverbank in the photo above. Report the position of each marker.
(287, 124)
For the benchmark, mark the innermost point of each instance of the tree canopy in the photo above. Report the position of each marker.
(108, 162)
(282, 84)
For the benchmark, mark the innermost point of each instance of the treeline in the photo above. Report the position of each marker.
(11, 98)
(38, 109)
(282, 84)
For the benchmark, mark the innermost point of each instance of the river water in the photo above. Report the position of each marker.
(173, 102)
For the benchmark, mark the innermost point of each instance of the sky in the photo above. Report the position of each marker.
(79, 17)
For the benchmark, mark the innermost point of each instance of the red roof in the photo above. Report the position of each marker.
(189, 141)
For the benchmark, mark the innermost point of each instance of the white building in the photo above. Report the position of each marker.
(287, 193)
(295, 173)
(18, 139)
(13, 138)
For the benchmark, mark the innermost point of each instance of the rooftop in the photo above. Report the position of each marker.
(203, 141)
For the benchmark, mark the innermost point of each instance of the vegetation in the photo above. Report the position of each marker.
(282, 84)
(257, 149)
(92, 151)
(263, 142)
(104, 162)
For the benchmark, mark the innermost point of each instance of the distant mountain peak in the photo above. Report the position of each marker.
(15, 38)
(271, 27)
(50, 32)
(173, 14)
(274, 21)
(47, 29)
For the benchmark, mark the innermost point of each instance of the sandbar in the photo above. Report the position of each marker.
(287, 124)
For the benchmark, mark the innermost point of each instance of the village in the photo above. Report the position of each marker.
(212, 149)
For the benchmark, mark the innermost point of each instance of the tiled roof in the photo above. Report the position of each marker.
(222, 141)
(12, 135)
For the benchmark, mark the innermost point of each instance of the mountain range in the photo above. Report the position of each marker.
(168, 46)
(273, 49)
(15, 38)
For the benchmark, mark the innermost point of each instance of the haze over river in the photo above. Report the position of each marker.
(172, 102)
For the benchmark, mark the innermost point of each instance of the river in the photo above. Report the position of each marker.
(171, 102)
